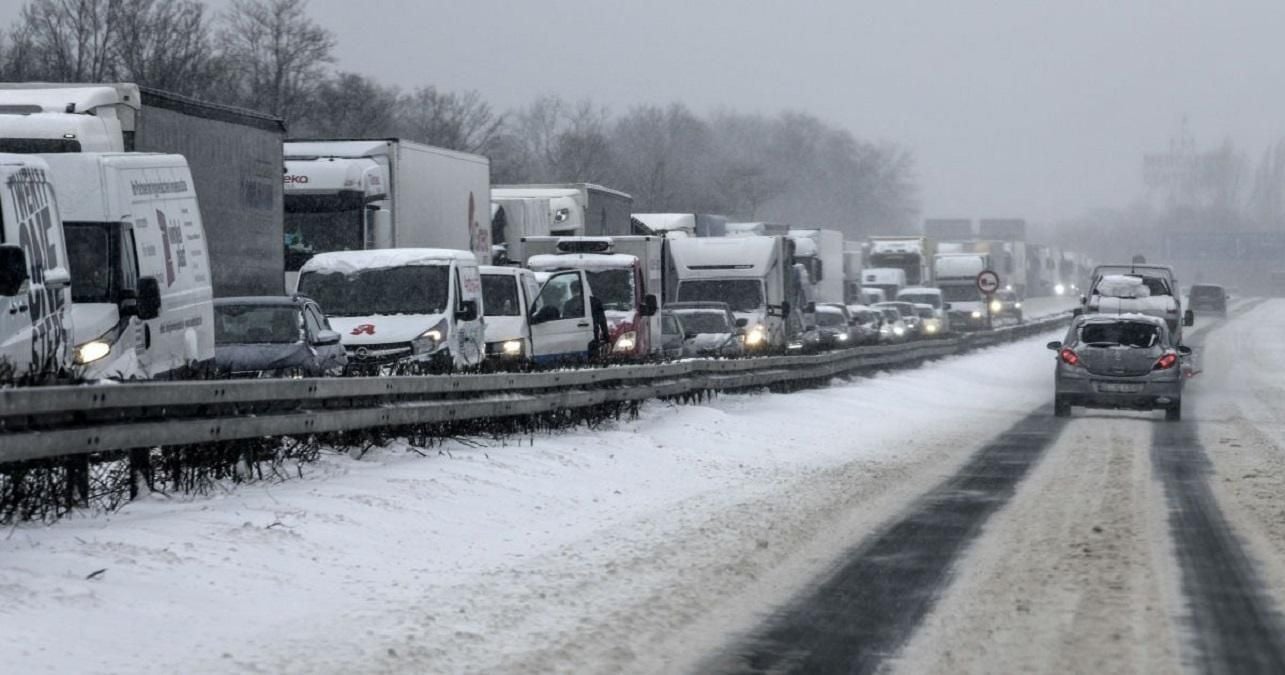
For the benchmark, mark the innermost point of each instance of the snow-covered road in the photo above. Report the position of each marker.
(633, 546)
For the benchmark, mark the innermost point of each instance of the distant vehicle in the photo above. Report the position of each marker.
(679, 225)
(1119, 361)
(753, 274)
(867, 323)
(886, 279)
(576, 209)
(909, 315)
(672, 337)
(140, 270)
(893, 328)
(929, 321)
(1138, 288)
(934, 298)
(913, 255)
(36, 328)
(835, 326)
(507, 294)
(356, 195)
(233, 156)
(873, 296)
(274, 336)
(710, 329)
(1208, 298)
(1006, 304)
(957, 279)
(401, 311)
(821, 253)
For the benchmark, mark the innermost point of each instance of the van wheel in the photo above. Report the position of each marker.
(1061, 407)
(1174, 412)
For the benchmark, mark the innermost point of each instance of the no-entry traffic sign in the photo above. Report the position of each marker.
(987, 282)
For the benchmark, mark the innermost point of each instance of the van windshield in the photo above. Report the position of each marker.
(613, 288)
(322, 223)
(415, 289)
(500, 295)
(743, 295)
(93, 255)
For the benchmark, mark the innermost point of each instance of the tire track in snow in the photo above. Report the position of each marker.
(867, 609)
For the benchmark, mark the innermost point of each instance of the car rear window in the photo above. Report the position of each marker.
(1122, 333)
(1206, 292)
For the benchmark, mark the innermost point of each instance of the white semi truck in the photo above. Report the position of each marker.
(234, 156)
(354, 195)
(911, 254)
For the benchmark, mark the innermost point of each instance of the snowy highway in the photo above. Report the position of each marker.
(932, 520)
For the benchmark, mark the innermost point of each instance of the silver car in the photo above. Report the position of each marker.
(1118, 361)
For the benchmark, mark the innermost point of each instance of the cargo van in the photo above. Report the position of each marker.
(35, 284)
(534, 321)
(141, 286)
(507, 294)
(402, 311)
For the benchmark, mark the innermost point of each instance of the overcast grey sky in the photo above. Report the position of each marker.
(1012, 107)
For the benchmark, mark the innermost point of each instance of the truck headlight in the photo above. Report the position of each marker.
(996, 306)
(977, 314)
(1017, 305)
(92, 351)
(430, 339)
(1059, 289)
(511, 348)
(843, 337)
(755, 336)
(626, 342)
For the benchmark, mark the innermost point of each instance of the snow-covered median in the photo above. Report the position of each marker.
(578, 551)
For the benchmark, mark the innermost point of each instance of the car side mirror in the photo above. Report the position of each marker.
(1084, 299)
(741, 323)
(1189, 318)
(649, 305)
(810, 308)
(13, 270)
(467, 311)
(149, 298)
(945, 306)
(1184, 350)
(1054, 345)
(326, 337)
(545, 314)
(688, 336)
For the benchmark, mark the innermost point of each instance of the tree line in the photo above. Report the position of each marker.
(272, 56)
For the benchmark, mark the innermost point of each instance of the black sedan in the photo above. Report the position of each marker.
(274, 336)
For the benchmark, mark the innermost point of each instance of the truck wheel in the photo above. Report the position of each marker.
(1174, 412)
(1061, 407)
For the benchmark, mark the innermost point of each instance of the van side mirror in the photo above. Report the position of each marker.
(467, 311)
(649, 305)
(1189, 318)
(1054, 345)
(741, 323)
(13, 270)
(149, 298)
(325, 337)
(945, 306)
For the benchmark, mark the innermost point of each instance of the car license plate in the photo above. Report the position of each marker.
(1119, 387)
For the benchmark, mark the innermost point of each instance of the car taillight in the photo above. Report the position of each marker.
(1166, 362)
(1069, 357)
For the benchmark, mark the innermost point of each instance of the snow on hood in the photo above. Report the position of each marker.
(348, 262)
(383, 328)
(501, 328)
(708, 341)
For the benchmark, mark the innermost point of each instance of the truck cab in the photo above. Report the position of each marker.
(141, 285)
(35, 283)
(625, 273)
(37, 117)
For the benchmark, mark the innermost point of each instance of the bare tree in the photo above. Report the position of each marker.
(663, 156)
(278, 54)
(164, 44)
(64, 41)
(457, 121)
(350, 105)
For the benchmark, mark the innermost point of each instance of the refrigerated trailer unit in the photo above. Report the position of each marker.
(234, 156)
(353, 195)
(578, 209)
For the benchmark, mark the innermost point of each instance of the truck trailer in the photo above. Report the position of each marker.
(234, 156)
(354, 195)
(913, 255)
(577, 209)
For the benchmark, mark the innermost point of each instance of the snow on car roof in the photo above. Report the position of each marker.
(920, 289)
(828, 309)
(581, 261)
(1123, 286)
(347, 262)
(1117, 318)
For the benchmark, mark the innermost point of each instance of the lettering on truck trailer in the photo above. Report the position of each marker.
(141, 188)
(297, 180)
(35, 223)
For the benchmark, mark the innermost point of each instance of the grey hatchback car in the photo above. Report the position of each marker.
(1121, 361)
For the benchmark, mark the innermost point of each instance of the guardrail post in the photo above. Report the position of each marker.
(77, 469)
(140, 469)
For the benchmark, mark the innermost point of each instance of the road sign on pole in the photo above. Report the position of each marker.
(987, 282)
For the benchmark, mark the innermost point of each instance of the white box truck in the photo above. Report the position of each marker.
(355, 195)
(513, 218)
(36, 329)
(957, 278)
(234, 156)
(912, 255)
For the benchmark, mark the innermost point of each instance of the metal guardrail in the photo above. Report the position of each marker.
(52, 422)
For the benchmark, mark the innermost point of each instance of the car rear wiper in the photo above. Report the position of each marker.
(1102, 344)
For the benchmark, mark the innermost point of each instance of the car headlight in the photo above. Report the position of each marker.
(430, 339)
(977, 314)
(626, 342)
(843, 337)
(1017, 305)
(898, 330)
(996, 306)
(92, 351)
(755, 336)
(1059, 289)
(511, 348)
(930, 327)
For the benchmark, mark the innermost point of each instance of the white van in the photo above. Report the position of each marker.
(507, 294)
(538, 321)
(35, 284)
(401, 310)
(140, 273)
